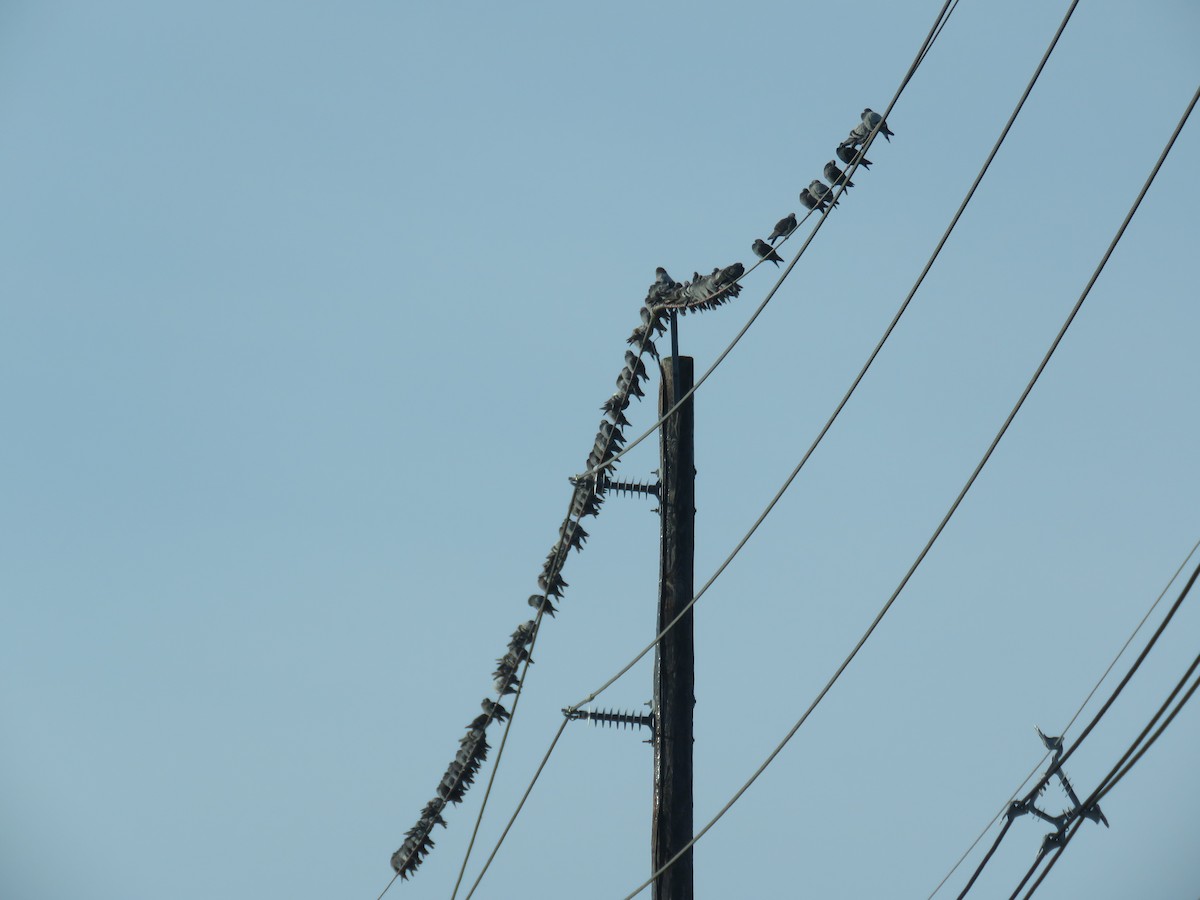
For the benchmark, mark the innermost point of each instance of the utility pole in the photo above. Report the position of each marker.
(674, 660)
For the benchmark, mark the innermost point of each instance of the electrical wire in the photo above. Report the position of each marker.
(517, 811)
(1062, 732)
(954, 506)
(943, 17)
(1137, 750)
(935, 31)
(1058, 763)
(854, 384)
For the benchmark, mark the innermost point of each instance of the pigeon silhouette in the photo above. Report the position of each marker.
(871, 119)
(836, 176)
(846, 153)
(783, 227)
(763, 249)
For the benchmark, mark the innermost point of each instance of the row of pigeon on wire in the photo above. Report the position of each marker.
(818, 196)
(700, 293)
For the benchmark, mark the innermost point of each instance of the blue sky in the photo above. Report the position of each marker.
(306, 314)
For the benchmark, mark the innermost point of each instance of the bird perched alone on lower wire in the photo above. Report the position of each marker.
(763, 249)
(783, 227)
(871, 119)
(1051, 743)
(836, 176)
(846, 153)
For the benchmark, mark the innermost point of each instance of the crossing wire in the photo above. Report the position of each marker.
(1057, 766)
(1062, 732)
(1140, 744)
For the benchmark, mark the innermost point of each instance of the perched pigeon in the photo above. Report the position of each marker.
(524, 633)
(846, 153)
(537, 601)
(494, 709)
(505, 684)
(836, 176)
(820, 191)
(783, 227)
(810, 201)
(662, 288)
(634, 361)
(618, 402)
(763, 249)
(1052, 743)
(871, 119)
(858, 134)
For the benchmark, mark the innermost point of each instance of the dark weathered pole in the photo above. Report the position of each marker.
(674, 675)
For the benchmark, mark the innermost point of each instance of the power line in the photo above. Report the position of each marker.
(954, 506)
(1062, 732)
(857, 380)
(935, 31)
(1058, 763)
(1137, 750)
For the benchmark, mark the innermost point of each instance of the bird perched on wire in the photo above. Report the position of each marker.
(821, 192)
(871, 119)
(783, 227)
(836, 176)
(494, 709)
(763, 249)
(812, 202)
(846, 153)
(538, 601)
(858, 134)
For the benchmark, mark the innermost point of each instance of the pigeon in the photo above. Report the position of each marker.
(432, 812)
(494, 709)
(783, 227)
(836, 176)
(575, 535)
(858, 134)
(871, 119)
(1052, 743)
(618, 402)
(662, 287)
(821, 192)
(524, 633)
(505, 684)
(537, 601)
(552, 583)
(763, 249)
(846, 153)
(810, 201)
(634, 361)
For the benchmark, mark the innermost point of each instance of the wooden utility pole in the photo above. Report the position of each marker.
(674, 661)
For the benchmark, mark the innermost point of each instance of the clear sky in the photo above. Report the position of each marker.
(306, 313)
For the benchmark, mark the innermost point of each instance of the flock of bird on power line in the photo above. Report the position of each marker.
(818, 195)
(701, 292)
